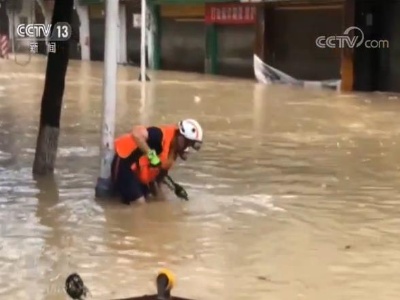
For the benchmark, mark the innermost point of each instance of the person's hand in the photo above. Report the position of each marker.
(154, 159)
(180, 192)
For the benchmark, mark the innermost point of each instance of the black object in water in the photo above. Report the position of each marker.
(75, 287)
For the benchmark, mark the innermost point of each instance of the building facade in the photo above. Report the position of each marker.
(181, 36)
(191, 35)
(215, 38)
(287, 33)
(221, 36)
(93, 31)
(287, 30)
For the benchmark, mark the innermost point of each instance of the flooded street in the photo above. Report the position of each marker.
(295, 194)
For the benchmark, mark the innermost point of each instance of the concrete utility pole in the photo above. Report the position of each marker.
(143, 43)
(103, 186)
(143, 77)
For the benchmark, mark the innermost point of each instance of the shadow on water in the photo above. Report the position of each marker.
(48, 198)
(294, 195)
(55, 241)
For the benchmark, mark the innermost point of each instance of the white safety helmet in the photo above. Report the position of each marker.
(192, 131)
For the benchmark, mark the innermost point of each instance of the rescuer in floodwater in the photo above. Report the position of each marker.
(144, 156)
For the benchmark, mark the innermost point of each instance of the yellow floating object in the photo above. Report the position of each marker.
(170, 276)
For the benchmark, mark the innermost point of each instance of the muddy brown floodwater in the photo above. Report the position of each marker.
(295, 194)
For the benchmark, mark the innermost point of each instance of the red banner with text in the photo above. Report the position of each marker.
(230, 13)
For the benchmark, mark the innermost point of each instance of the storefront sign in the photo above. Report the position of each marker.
(182, 11)
(230, 13)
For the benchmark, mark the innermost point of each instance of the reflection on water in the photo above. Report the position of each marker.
(295, 195)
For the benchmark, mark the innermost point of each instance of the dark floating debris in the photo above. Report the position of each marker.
(75, 287)
(165, 281)
(264, 278)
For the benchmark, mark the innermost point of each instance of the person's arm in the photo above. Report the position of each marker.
(148, 139)
(140, 135)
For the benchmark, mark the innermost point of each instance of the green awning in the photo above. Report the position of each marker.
(90, 2)
(190, 2)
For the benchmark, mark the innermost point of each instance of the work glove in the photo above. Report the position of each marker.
(154, 159)
(180, 192)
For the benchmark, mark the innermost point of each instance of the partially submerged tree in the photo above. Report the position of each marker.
(50, 114)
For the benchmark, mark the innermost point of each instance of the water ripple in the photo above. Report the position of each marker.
(287, 181)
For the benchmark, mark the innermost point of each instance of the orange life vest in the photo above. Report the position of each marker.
(125, 145)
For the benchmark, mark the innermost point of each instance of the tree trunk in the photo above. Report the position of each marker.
(50, 113)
